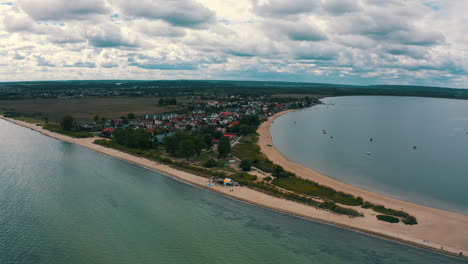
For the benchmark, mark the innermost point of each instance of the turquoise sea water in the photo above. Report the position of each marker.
(434, 174)
(61, 203)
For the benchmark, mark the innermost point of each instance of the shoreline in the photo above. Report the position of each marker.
(439, 227)
(368, 224)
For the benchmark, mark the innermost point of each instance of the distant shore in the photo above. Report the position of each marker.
(438, 227)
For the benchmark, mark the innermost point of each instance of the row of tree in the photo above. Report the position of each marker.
(167, 101)
(247, 125)
(187, 145)
(133, 138)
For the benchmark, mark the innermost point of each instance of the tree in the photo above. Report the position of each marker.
(67, 123)
(131, 116)
(224, 147)
(198, 144)
(96, 118)
(187, 148)
(133, 138)
(208, 139)
(171, 101)
(162, 101)
(245, 165)
(170, 144)
(210, 163)
(245, 129)
(278, 171)
(218, 134)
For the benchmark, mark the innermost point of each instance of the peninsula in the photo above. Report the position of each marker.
(435, 230)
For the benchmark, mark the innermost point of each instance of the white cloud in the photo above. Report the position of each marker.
(359, 41)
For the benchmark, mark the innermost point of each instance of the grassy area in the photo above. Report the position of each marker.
(84, 109)
(247, 149)
(150, 153)
(243, 178)
(314, 189)
(77, 134)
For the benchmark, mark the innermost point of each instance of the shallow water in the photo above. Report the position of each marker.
(434, 174)
(61, 203)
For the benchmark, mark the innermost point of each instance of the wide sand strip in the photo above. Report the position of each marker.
(439, 228)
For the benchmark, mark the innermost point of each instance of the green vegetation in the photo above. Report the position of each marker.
(67, 123)
(58, 129)
(224, 147)
(304, 186)
(327, 205)
(152, 154)
(243, 178)
(245, 165)
(330, 206)
(133, 138)
(388, 218)
(210, 163)
(406, 218)
(247, 149)
(184, 145)
(247, 125)
(167, 101)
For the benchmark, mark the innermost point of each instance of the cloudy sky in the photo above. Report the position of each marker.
(422, 42)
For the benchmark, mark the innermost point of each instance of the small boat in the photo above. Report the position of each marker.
(371, 139)
(331, 136)
(414, 147)
(368, 153)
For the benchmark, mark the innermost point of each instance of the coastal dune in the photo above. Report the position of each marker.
(436, 229)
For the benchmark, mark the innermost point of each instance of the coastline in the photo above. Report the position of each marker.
(434, 224)
(439, 227)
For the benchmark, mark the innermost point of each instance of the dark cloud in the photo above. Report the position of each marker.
(321, 52)
(81, 64)
(338, 7)
(109, 36)
(182, 13)
(165, 66)
(109, 65)
(280, 8)
(417, 37)
(403, 50)
(41, 61)
(160, 29)
(56, 10)
(163, 63)
(294, 31)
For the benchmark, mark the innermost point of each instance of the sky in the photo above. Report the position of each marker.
(411, 42)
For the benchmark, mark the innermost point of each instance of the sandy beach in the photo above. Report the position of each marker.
(436, 228)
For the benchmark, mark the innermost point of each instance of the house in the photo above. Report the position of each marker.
(231, 136)
(107, 132)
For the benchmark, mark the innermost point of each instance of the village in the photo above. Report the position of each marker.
(224, 115)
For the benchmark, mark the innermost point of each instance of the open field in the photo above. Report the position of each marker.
(84, 109)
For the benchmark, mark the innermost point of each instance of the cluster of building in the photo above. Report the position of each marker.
(198, 113)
